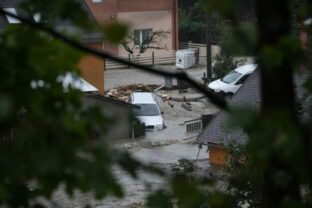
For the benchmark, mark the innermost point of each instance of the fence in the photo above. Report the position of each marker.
(202, 50)
(163, 57)
(194, 125)
(167, 57)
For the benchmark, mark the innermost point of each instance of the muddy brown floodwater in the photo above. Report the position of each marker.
(163, 148)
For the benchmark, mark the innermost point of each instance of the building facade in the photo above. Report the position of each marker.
(143, 17)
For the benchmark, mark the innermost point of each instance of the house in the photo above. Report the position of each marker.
(92, 68)
(143, 17)
(119, 111)
(122, 125)
(216, 135)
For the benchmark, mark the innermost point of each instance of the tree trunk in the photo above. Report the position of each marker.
(274, 20)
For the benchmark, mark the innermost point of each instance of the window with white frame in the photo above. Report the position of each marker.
(10, 19)
(141, 35)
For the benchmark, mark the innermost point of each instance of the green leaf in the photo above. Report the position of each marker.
(115, 32)
(159, 199)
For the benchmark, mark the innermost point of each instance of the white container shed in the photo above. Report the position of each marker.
(185, 59)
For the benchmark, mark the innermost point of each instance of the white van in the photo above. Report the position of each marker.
(149, 113)
(231, 82)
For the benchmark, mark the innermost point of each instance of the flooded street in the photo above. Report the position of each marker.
(163, 148)
(172, 143)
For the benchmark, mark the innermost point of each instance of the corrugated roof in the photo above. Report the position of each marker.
(248, 95)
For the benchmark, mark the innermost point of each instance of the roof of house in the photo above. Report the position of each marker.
(7, 4)
(60, 25)
(217, 133)
(77, 83)
(110, 100)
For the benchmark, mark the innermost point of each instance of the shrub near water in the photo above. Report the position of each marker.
(224, 64)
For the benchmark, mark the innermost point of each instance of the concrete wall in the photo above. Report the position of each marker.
(120, 126)
(92, 68)
(217, 155)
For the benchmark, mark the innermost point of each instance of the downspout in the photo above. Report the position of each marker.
(175, 17)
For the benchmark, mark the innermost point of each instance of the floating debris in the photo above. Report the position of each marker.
(123, 92)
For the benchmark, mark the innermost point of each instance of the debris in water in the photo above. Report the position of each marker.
(189, 108)
(122, 92)
(170, 104)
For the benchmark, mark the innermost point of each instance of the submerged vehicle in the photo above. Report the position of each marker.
(149, 113)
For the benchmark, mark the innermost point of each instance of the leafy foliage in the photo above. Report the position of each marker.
(245, 182)
(52, 11)
(45, 131)
(48, 135)
(115, 32)
(194, 16)
(224, 64)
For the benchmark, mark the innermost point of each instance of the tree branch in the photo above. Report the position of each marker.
(103, 54)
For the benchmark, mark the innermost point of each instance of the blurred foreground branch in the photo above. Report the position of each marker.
(221, 103)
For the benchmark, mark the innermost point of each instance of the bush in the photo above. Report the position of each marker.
(224, 64)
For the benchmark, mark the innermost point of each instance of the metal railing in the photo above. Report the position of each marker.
(145, 59)
(194, 125)
(164, 57)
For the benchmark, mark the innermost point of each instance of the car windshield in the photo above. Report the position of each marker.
(147, 110)
(231, 77)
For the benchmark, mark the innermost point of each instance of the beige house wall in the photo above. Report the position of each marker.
(155, 20)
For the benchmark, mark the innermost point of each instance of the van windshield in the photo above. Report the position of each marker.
(147, 110)
(231, 77)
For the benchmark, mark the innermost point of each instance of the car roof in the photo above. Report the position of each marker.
(142, 97)
(246, 69)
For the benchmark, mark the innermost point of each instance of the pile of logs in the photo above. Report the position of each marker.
(123, 92)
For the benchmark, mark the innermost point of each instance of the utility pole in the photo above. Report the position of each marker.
(208, 47)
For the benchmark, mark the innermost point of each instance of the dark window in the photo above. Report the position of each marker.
(147, 110)
(242, 79)
(137, 37)
(141, 36)
(146, 34)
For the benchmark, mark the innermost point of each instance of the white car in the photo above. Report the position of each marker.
(149, 113)
(231, 82)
